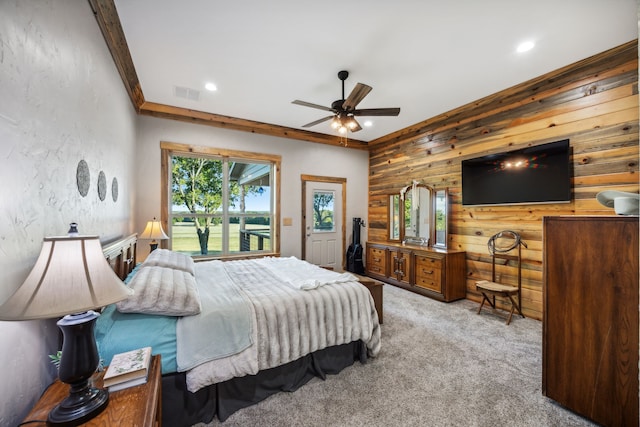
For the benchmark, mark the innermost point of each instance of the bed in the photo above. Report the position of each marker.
(233, 333)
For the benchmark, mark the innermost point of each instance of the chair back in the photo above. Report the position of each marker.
(500, 245)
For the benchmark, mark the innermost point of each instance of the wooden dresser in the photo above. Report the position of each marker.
(590, 320)
(436, 273)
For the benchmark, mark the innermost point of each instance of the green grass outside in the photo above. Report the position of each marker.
(185, 238)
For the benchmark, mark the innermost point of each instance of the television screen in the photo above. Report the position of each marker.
(539, 174)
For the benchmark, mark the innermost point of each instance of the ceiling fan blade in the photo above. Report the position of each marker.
(357, 94)
(324, 119)
(309, 104)
(376, 112)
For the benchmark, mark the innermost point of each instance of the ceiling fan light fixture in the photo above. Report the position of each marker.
(345, 110)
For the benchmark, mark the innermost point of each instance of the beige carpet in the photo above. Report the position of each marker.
(440, 365)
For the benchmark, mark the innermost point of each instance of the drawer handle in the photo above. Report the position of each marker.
(377, 260)
(427, 272)
(375, 269)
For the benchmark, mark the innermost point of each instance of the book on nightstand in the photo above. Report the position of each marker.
(128, 369)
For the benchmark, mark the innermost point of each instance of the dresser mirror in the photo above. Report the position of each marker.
(394, 217)
(441, 211)
(418, 215)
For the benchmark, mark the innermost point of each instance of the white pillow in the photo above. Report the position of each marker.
(163, 291)
(170, 259)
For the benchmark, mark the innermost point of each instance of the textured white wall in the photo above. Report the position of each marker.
(297, 158)
(61, 100)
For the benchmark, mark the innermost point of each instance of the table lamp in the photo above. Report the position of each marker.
(154, 232)
(70, 278)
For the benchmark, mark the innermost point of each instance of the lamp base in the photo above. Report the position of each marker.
(77, 365)
(79, 407)
(153, 247)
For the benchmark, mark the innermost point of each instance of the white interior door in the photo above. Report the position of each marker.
(323, 228)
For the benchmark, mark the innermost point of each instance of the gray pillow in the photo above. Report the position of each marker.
(162, 291)
(170, 259)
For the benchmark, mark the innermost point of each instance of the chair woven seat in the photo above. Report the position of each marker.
(495, 287)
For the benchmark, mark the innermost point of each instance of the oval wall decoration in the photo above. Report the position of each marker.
(82, 178)
(114, 189)
(102, 186)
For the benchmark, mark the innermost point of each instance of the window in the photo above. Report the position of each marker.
(220, 203)
(323, 211)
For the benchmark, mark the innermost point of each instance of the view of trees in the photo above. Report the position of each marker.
(323, 211)
(197, 185)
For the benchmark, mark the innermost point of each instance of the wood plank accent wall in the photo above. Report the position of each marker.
(593, 102)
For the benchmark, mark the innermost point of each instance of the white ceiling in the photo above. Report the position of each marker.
(424, 56)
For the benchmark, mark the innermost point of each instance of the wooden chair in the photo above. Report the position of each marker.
(500, 245)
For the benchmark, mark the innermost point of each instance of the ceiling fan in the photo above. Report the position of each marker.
(344, 110)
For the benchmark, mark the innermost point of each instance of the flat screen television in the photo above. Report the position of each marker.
(539, 174)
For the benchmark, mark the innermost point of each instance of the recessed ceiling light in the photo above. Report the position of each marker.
(523, 47)
(368, 123)
(210, 86)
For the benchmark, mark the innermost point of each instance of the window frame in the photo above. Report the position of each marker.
(169, 149)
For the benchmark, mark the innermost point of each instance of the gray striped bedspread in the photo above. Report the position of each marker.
(287, 323)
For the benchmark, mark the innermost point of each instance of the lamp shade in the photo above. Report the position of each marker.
(153, 231)
(70, 276)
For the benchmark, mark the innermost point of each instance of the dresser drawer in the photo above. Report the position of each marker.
(376, 260)
(429, 279)
(377, 269)
(376, 256)
(427, 263)
(429, 273)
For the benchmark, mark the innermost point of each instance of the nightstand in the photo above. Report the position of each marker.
(135, 406)
(375, 287)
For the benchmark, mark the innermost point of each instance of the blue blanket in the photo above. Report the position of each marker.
(119, 332)
(224, 325)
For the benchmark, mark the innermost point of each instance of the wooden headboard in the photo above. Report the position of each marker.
(121, 255)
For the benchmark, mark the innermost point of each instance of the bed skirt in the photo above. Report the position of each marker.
(180, 407)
